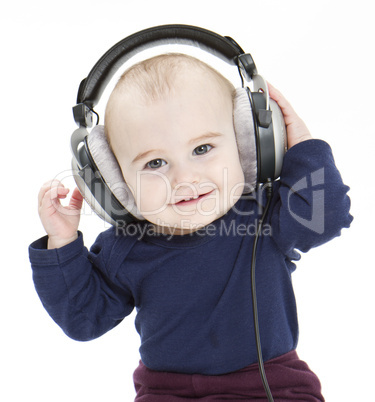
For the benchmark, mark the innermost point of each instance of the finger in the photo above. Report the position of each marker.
(76, 200)
(51, 199)
(46, 187)
(283, 103)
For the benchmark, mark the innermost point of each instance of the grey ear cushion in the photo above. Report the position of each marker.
(110, 170)
(245, 135)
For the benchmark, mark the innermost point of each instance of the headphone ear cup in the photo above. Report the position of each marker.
(90, 182)
(86, 180)
(110, 170)
(280, 136)
(244, 128)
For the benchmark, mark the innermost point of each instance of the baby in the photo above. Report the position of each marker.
(169, 122)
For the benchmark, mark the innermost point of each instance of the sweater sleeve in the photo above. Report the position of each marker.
(77, 289)
(312, 205)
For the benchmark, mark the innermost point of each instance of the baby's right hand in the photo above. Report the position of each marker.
(61, 223)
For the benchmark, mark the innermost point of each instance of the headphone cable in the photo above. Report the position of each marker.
(254, 297)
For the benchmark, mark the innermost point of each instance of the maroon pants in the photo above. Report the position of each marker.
(289, 378)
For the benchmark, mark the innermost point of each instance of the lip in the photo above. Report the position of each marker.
(193, 200)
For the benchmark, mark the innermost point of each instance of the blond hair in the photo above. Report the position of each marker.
(154, 78)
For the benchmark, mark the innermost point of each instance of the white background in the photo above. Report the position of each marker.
(318, 53)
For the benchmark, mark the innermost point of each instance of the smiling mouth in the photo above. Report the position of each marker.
(193, 199)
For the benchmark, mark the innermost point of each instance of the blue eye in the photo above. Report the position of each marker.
(202, 149)
(156, 163)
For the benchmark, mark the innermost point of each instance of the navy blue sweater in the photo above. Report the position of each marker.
(192, 293)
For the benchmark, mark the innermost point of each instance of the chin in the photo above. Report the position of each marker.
(190, 217)
(195, 223)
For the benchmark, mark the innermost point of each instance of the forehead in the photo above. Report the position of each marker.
(194, 91)
(159, 85)
(195, 99)
(181, 115)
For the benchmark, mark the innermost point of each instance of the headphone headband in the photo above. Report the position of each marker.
(92, 87)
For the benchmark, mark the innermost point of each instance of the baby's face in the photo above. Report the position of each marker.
(179, 155)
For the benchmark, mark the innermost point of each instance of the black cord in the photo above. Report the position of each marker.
(254, 297)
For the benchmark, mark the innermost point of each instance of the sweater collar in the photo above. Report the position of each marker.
(201, 236)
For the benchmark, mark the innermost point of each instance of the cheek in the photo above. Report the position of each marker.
(236, 176)
(227, 172)
(152, 191)
(236, 183)
(230, 180)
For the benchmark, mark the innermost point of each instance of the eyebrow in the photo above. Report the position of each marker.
(203, 137)
(143, 155)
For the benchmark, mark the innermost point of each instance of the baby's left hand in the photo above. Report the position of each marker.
(296, 129)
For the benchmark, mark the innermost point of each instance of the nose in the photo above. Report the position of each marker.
(184, 175)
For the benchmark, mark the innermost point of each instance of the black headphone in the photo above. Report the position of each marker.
(258, 121)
